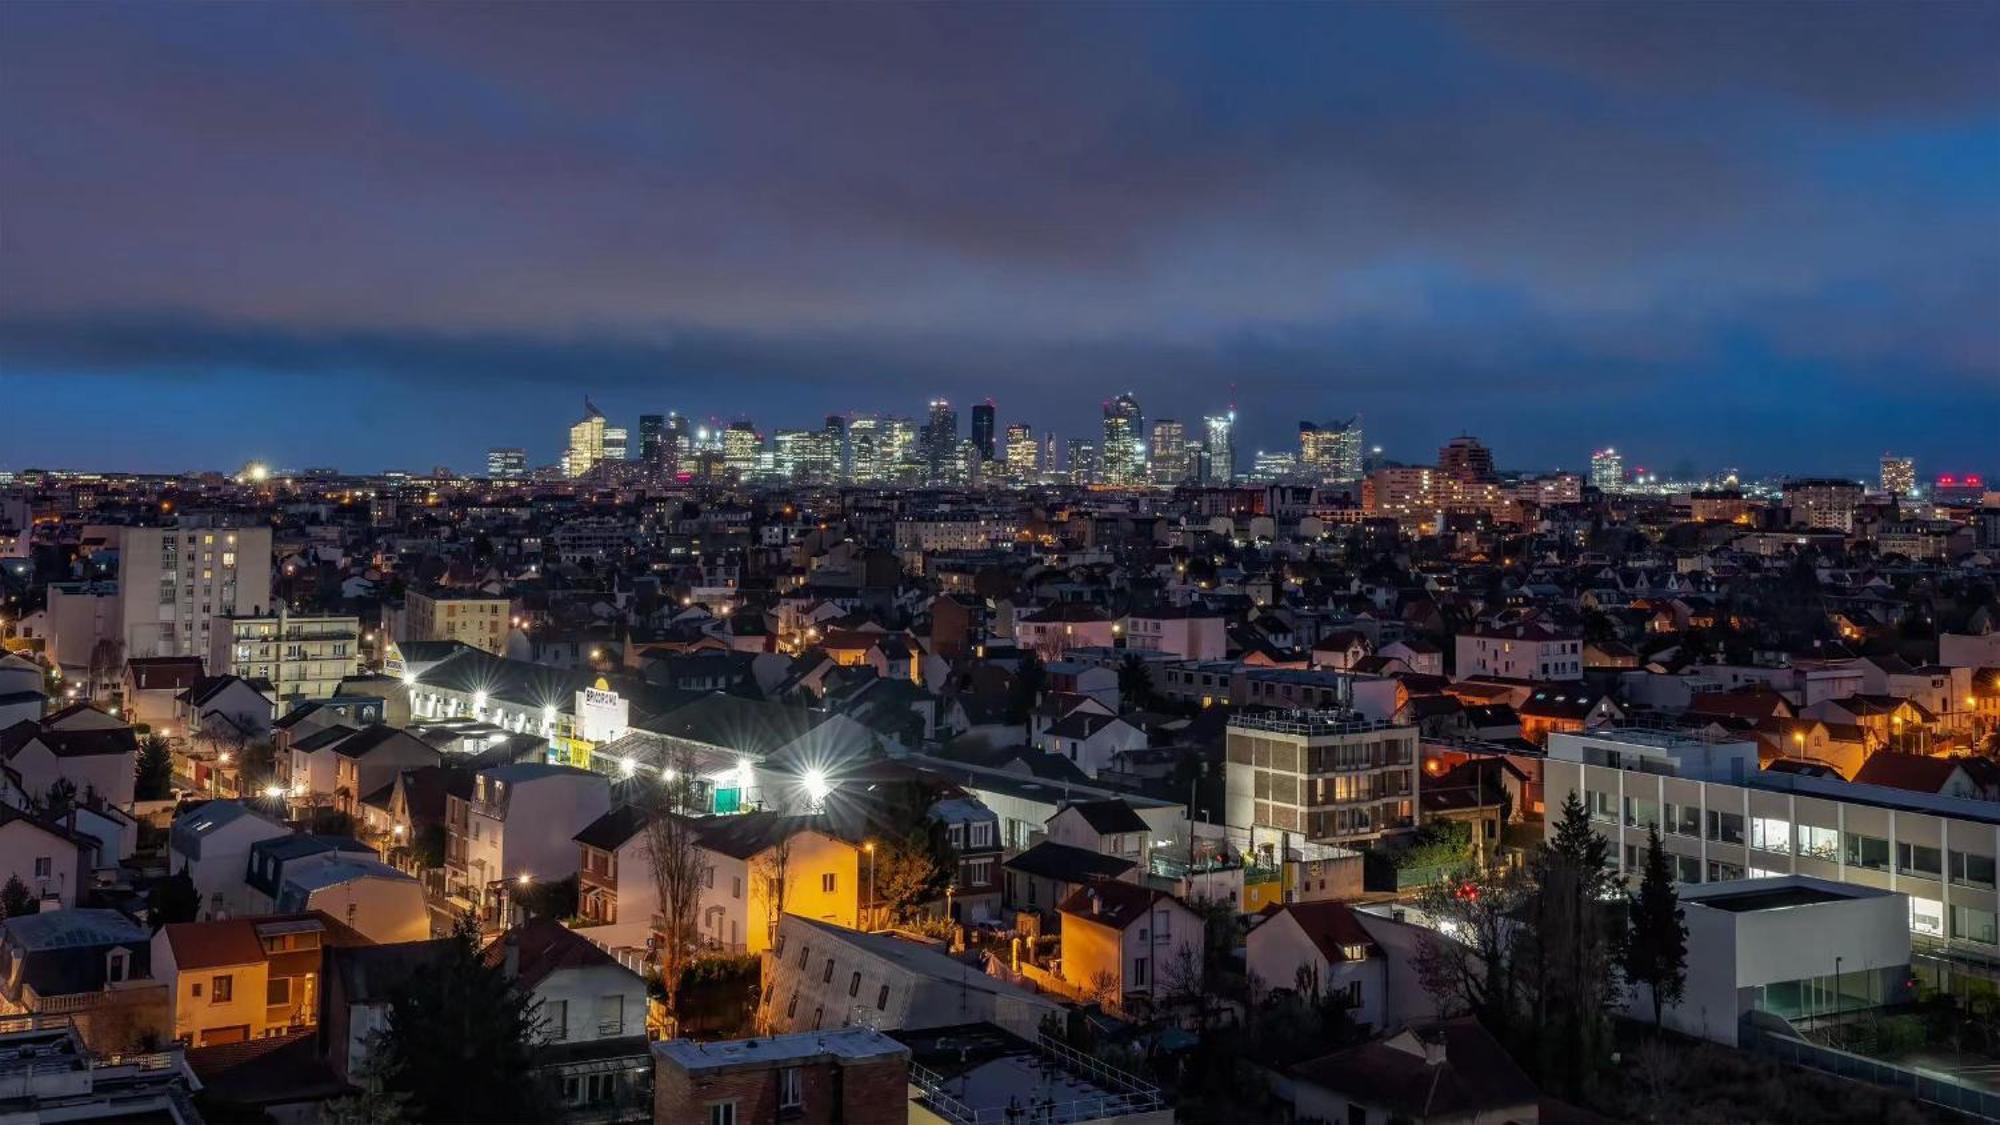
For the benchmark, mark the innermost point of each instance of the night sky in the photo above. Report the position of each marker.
(384, 236)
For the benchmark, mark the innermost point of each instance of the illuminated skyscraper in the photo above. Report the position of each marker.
(1080, 457)
(1332, 451)
(740, 446)
(1899, 475)
(902, 457)
(586, 442)
(1219, 450)
(652, 435)
(1172, 459)
(617, 444)
(1464, 458)
(941, 442)
(1121, 458)
(1607, 470)
(864, 444)
(507, 464)
(982, 429)
(1020, 453)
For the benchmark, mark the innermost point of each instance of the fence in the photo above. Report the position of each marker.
(1926, 1086)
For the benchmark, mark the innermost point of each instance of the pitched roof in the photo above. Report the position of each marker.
(1109, 815)
(163, 673)
(1112, 904)
(373, 973)
(1066, 863)
(1331, 926)
(745, 725)
(611, 831)
(83, 743)
(546, 948)
(1913, 772)
(1476, 1074)
(238, 941)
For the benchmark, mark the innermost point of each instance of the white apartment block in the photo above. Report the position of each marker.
(1721, 819)
(1331, 776)
(174, 582)
(304, 657)
(1186, 634)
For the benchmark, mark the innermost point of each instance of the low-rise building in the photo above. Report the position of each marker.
(1121, 942)
(236, 979)
(89, 966)
(822, 977)
(591, 1057)
(856, 1076)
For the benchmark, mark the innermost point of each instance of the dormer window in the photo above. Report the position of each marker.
(117, 966)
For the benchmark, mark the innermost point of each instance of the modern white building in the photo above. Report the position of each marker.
(545, 806)
(212, 844)
(1795, 947)
(1722, 819)
(1332, 776)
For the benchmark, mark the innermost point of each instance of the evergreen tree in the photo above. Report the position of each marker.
(1135, 684)
(173, 899)
(1656, 945)
(1027, 687)
(155, 770)
(16, 899)
(460, 1041)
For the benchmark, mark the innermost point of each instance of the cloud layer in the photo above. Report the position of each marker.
(1554, 225)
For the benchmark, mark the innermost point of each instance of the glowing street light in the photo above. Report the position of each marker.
(817, 787)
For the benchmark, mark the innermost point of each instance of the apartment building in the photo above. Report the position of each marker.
(545, 805)
(1186, 634)
(1721, 818)
(479, 620)
(1526, 650)
(1332, 776)
(303, 656)
(1823, 502)
(175, 582)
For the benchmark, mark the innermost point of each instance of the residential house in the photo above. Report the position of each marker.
(547, 805)
(1091, 741)
(95, 759)
(212, 843)
(151, 687)
(973, 831)
(235, 979)
(91, 966)
(591, 1056)
(1121, 941)
(51, 860)
(1044, 875)
(1453, 1072)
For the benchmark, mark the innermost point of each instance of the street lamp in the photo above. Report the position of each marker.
(869, 847)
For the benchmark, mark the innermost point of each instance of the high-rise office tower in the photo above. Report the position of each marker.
(982, 429)
(617, 443)
(586, 442)
(652, 432)
(507, 463)
(1899, 475)
(831, 453)
(1172, 462)
(1081, 457)
(864, 450)
(1020, 452)
(1607, 470)
(798, 456)
(1219, 451)
(1121, 458)
(940, 441)
(740, 446)
(1331, 451)
(1465, 459)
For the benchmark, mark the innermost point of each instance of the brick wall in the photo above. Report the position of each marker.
(875, 1092)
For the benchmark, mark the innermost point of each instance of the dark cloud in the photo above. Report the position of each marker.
(869, 204)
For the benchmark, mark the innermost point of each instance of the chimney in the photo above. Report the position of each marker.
(1096, 903)
(511, 954)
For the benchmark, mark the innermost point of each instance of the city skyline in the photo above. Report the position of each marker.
(1700, 234)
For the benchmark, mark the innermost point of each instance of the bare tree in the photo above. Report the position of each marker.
(674, 852)
(774, 868)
